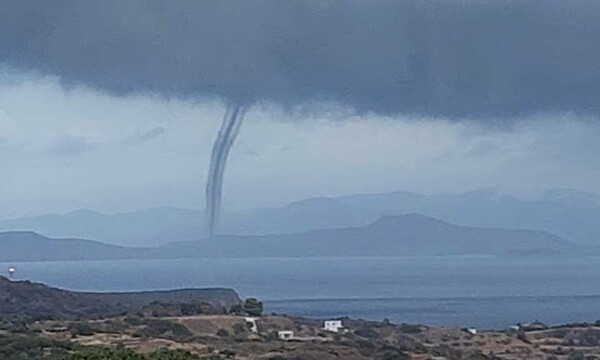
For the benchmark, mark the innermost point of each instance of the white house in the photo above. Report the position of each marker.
(285, 334)
(471, 331)
(252, 324)
(333, 325)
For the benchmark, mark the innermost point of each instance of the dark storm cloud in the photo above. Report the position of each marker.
(451, 58)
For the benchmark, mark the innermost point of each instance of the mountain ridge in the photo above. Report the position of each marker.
(567, 213)
(404, 235)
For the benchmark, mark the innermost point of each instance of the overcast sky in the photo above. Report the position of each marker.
(64, 149)
(114, 105)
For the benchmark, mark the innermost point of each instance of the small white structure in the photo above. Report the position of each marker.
(471, 331)
(285, 335)
(513, 329)
(335, 326)
(252, 324)
(11, 271)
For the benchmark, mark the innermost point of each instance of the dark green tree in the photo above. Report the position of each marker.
(253, 307)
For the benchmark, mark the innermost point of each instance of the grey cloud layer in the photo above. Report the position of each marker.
(486, 59)
(152, 134)
(70, 145)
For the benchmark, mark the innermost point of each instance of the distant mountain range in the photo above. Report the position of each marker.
(569, 214)
(141, 228)
(390, 236)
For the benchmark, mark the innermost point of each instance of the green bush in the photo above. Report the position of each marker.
(222, 333)
(236, 309)
(253, 307)
(213, 357)
(410, 329)
(577, 355)
(172, 355)
(165, 329)
(239, 329)
(133, 320)
(367, 332)
(81, 328)
(394, 355)
(193, 308)
(31, 347)
(125, 354)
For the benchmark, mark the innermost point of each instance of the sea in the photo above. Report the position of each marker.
(485, 292)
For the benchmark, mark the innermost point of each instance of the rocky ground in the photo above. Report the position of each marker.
(39, 322)
(227, 336)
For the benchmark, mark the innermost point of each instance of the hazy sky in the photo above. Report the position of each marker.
(114, 105)
(64, 149)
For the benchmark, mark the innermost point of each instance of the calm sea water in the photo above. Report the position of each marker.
(485, 292)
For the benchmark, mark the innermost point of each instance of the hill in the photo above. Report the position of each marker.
(220, 337)
(38, 301)
(569, 214)
(29, 246)
(140, 228)
(390, 236)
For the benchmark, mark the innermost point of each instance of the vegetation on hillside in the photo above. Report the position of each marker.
(29, 346)
(191, 329)
(29, 302)
(125, 354)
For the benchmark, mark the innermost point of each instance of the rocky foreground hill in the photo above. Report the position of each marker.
(35, 301)
(39, 322)
(220, 337)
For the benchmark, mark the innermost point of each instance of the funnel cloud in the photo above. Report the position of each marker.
(230, 127)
